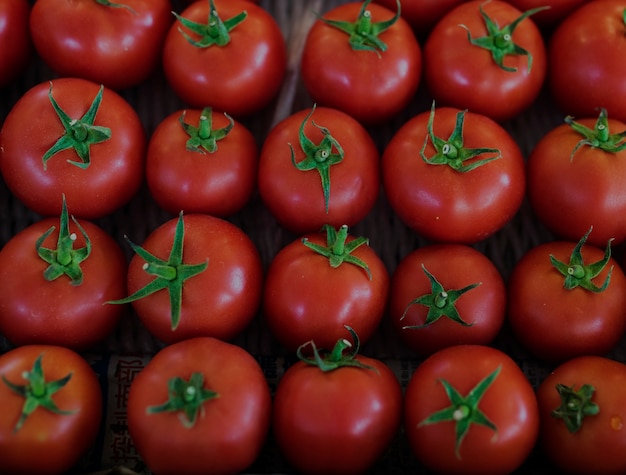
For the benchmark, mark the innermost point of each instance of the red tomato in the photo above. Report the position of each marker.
(585, 60)
(470, 409)
(422, 15)
(311, 294)
(220, 430)
(15, 42)
(582, 406)
(550, 17)
(197, 163)
(239, 77)
(446, 294)
(557, 314)
(318, 166)
(100, 180)
(442, 199)
(501, 83)
(370, 82)
(46, 442)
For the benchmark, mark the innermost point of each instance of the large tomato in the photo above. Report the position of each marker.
(51, 409)
(360, 59)
(15, 40)
(200, 406)
(70, 136)
(486, 56)
(453, 175)
(470, 409)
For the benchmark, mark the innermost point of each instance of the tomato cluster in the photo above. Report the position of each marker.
(438, 182)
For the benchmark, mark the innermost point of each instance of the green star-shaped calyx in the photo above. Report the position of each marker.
(598, 137)
(214, 32)
(576, 404)
(203, 138)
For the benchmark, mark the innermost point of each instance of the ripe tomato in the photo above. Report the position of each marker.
(470, 409)
(318, 166)
(458, 190)
(585, 66)
(360, 59)
(239, 72)
(201, 161)
(422, 15)
(446, 294)
(51, 409)
(15, 41)
(199, 406)
(337, 415)
(91, 148)
(497, 73)
(316, 285)
(582, 406)
(550, 17)
(559, 311)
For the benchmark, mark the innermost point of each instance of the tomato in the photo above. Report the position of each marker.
(486, 56)
(550, 17)
(318, 166)
(55, 277)
(584, 60)
(446, 294)
(422, 15)
(582, 409)
(338, 413)
(239, 71)
(199, 406)
(567, 300)
(15, 41)
(51, 409)
(318, 284)
(470, 409)
(201, 161)
(195, 276)
(453, 176)
(363, 59)
(70, 136)
(576, 179)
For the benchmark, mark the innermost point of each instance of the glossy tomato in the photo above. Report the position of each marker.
(422, 15)
(446, 294)
(229, 55)
(550, 17)
(15, 40)
(70, 136)
(318, 166)
(453, 176)
(51, 409)
(363, 59)
(582, 406)
(470, 409)
(199, 406)
(201, 161)
(486, 56)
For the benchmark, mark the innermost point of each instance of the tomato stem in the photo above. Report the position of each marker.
(204, 138)
(214, 31)
(598, 137)
(575, 405)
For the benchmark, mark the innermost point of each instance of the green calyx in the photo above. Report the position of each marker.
(464, 410)
(37, 392)
(204, 138)
(337, 250)
(107, 3)
(577, 274)
(575, 406)
(440, 303)
(186, 397)
(80, 134)
(452, 152)
(169, 274)
(363, 32)
(599, 136)
(215, 32)
(64, 260)
(499, 41)
(318, 157)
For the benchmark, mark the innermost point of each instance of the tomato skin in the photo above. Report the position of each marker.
(230, 430)
(48, 443)
(218, 183)
(240, 78)
(339, 421)
(556, 324)
(295, 198)
(455, 266)
(370, 87)
(32, 127)
(462, 75)
(599, 445)
(509, 403)
(422, 15)
(440, 203)
(15, 41)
